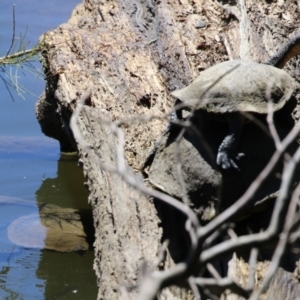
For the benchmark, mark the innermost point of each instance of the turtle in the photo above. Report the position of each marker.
(210, 187)
(231, 90)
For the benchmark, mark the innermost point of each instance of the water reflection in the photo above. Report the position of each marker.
(68, 275)
(28, 273)
(17, 276)
(63, 189)
(53, 228)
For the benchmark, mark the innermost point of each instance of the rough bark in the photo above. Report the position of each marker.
(239, 270)
(128, 55)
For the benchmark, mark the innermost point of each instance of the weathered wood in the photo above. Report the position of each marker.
(284, 285)
(130, 55)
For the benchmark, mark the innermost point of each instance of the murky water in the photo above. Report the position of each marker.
(31, 172)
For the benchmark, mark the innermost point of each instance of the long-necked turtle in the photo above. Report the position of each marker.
(229, 89)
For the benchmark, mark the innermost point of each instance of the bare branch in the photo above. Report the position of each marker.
(252, 268)
(162, 252)
(221, 285)
(215, 274)
(194, 288)
(231, 233)
(283, 237)
(270, 116)
(227, 46)
(276, 222)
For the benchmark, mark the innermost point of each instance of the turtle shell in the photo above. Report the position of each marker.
(238, 86)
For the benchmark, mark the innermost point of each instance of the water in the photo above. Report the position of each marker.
(32, 171)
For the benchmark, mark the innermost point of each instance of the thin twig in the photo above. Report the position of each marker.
(14, 31)
(283, 239)
(4, 59)
(221, 285)
(270, 116)
(194, 288)
(212, 270)
(7, 87)
(252, 268)
(227, 47)
(275, 226)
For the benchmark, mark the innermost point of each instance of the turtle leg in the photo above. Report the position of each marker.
(227, 153)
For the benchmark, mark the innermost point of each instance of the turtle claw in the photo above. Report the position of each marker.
(228, 163)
